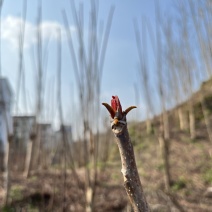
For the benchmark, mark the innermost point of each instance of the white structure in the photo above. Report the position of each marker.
(68, 131)
(23, 127)
(6, 123)
(46, 134)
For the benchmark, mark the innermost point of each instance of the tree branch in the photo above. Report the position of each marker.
(129, 170)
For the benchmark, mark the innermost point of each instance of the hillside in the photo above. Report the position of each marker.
(190, 165)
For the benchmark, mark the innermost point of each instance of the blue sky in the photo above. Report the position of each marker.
(121, 61)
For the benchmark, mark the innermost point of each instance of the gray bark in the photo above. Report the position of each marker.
(182, 119)
(192, 123)
(148, 126)
(129, 170)
(28, 158)
(164, 145)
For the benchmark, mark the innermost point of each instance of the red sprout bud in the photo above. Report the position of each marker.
(115, 104)
(116, 107)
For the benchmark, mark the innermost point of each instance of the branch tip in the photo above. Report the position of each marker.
(129, 109)
(110, 109)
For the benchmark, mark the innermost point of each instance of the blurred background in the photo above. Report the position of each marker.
(59, 60)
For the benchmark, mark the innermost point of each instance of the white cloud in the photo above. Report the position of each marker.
(11, 26)
(50, 29)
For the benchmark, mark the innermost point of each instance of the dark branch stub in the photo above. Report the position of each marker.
(129, 170)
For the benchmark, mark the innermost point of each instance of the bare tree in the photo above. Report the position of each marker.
(88, 64)
(65, 144)
(39, 68)
(164, 133)
(21, 74)
(21, 78)
(204, 45)
(187, 69)
(144, 70)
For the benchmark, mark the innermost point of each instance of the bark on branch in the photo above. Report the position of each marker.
(129, 170)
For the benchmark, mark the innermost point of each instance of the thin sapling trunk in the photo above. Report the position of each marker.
(129, 170)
